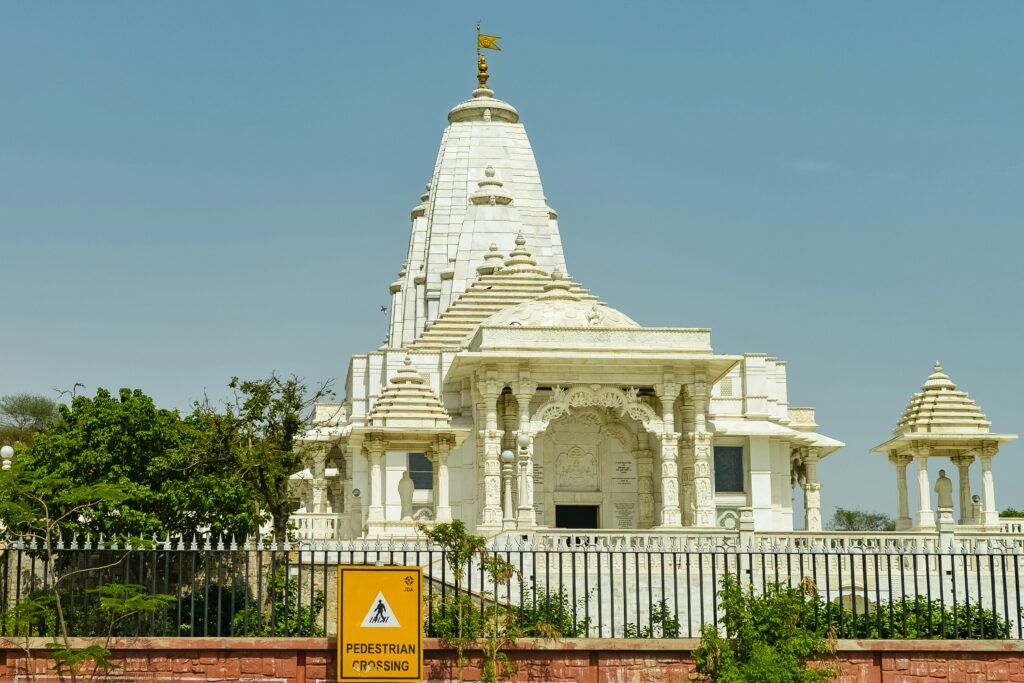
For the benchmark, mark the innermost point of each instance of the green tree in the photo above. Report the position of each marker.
(149, 455)
(38, 505)
(24, 415)
(1012, 512)
(460, 547)
(256, 437)
(860, 520)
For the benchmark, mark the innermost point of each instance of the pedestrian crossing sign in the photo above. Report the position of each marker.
(380, 624)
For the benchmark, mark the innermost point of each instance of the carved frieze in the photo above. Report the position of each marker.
(576, 470)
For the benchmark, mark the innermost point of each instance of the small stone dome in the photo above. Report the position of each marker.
(558, 307)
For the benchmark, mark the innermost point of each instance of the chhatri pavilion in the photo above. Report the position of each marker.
(509, 396)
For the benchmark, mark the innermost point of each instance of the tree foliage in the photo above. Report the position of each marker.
(1012, 512)
(22, 416)
(860, 520)
(148, 455)
(27, 411)
(255, 436)
(771, 636)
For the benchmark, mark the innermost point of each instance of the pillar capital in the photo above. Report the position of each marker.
(900, 459)
(668, 389)
(444, 443)
(962, 459)
(524, 386)
(375, 443)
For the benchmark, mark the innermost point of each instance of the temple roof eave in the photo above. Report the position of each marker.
(714, 366)
(947, 441)
(746, 427)
(419, 435)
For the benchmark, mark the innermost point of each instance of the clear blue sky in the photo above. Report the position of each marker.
(191, 191)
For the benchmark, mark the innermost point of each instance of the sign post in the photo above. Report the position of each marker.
(380, 624)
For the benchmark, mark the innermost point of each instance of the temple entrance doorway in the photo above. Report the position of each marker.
(576, 517)
(588, 474)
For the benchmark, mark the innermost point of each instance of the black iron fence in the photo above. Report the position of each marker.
(170, 588)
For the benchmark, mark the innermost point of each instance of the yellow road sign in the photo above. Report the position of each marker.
(380, 624)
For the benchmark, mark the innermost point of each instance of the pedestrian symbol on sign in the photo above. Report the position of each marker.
(380, 614)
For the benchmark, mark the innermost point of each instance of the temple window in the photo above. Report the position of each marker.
(421, 470)
(729, 469)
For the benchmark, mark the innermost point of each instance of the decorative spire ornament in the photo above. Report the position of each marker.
(484, 42)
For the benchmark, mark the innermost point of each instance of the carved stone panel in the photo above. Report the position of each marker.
(576, 470)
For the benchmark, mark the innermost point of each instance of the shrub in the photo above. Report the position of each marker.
(663, 623)
(284, 612)
(445, 616)
(914, 618)
(550, 615)
(768, 637)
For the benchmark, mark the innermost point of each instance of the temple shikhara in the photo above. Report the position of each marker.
(509, 396)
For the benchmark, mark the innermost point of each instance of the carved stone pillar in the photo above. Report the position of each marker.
(524, 389)
(442, 506)
(490, 388)
(703, 487)
(687, 498)
(812, 506)
(990, 516)
(812, 490)
(963, 464)
(667, 392)
(318, 501)
(645, 481)
(925, 516)
(352, 511)
(375, 496)
(903, 520)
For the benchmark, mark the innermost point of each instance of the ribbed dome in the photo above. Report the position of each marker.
(941, 409)
(559, 307)
(408, 402)
(483, 107)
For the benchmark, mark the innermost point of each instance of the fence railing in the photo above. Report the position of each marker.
(575, 587)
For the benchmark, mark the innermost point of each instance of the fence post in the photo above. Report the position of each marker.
(746, 528)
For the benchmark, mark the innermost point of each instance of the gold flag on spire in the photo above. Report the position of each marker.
(488, 42)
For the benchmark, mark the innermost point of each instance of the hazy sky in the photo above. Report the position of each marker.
(191, 191)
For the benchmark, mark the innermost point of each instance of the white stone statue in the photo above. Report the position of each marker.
(944, 489)
(405, 489)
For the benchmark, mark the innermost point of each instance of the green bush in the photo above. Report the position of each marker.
(914, 618)
(663, 623)
(771, 636)
(284, 612)
(550, 615)
(443, 621)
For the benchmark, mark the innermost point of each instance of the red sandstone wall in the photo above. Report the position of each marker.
(307, 660)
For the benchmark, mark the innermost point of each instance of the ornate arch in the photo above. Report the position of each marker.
(626, 402)
(606, 422)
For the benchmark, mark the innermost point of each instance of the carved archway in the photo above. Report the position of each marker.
(626, 402)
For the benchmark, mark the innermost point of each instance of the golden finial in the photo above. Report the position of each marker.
(490, 43)
(481, 72)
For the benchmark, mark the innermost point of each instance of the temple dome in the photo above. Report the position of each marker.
(560, 307)
(483, 107)
(408, 402)
(940, 408)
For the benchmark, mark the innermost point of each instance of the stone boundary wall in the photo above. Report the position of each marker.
(309, 660)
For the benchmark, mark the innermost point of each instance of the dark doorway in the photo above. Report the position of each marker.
(576, 516)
